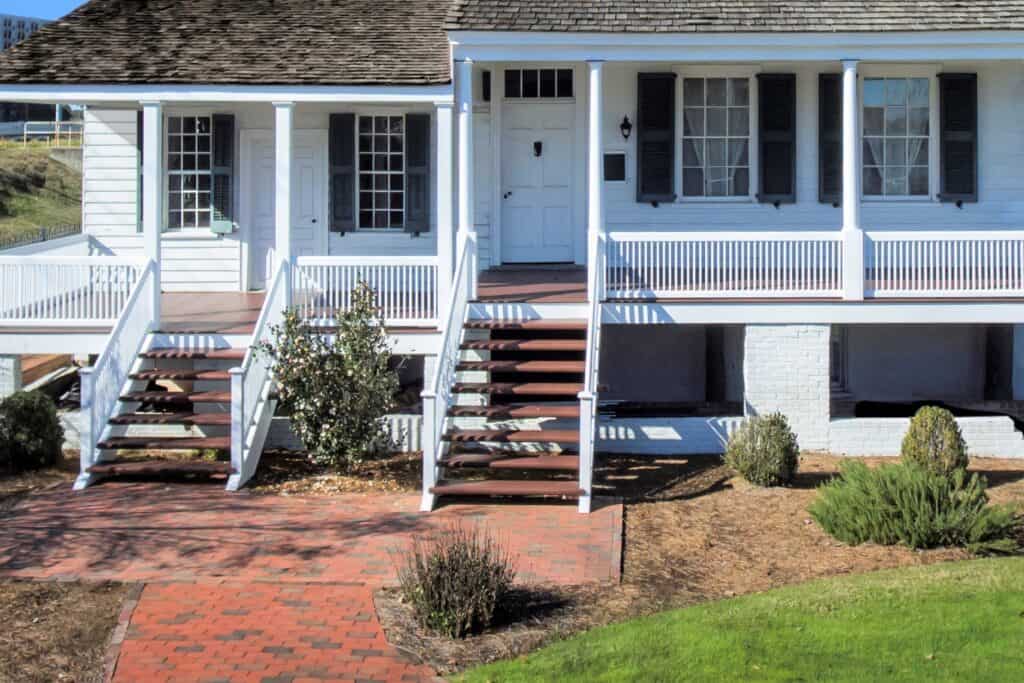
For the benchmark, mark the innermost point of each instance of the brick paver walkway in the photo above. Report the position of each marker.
(267, 588)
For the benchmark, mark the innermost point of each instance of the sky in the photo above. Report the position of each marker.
(41, 9)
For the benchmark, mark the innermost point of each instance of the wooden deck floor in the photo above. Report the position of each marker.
(533, 284)
(210, 312)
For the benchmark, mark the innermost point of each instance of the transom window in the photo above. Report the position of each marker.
(189, 171)
(381, 172)
(537, 83)
(896, 131)
(716, 137)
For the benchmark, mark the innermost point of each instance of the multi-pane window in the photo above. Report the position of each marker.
(381, 172)
(896, 130)
(716, 137)
(537, 83)
(189, 171)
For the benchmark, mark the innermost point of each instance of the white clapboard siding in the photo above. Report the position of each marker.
(203, 264)
(109, 156)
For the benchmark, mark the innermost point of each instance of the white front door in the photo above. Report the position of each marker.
(537, 166)
(309, 198)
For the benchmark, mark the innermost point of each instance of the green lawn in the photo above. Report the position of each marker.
(36, 192)
(959, 621)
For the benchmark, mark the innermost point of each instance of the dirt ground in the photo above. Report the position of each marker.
(14, 486)
(291, 473)
(693, 533)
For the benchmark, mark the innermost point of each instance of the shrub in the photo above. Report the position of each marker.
(338, 391)
(456, 580)
(764, 451)
(934, 441)
(906, 504)
(31, 435)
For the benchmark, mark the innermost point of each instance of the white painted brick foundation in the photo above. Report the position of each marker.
(406, 430)
(786, 370)
(10, 375)
(985, 436)
(666, 435)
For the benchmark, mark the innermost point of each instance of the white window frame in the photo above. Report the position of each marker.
(538, 68)
(733, 71)
(374, 113)
(168, 174)
(931, 72)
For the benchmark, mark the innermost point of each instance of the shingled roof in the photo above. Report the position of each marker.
(245, 42)
(711, 16)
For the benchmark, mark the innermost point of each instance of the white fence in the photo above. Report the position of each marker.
(65, 290)
(944, 264)
(56, 133)
(406, 287)
(686, 265)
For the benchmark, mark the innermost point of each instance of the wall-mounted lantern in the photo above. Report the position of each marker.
(626, 128)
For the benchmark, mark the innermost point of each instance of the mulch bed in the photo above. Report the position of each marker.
(291, 473)
(14, 486)
(57, 631)
(693, 533)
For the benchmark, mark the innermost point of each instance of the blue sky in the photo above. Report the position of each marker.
(43, 9)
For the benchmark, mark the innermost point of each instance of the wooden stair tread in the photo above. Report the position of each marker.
(579, 345)
(516, 411)
(188, 419)
(568, 489)
(201, 375)
(525, 366)
(543, 324)
(160, 466)
(210, 354)
(166, 443)
(178, 397)
(520, 388)
(513, 435)
(506, 461)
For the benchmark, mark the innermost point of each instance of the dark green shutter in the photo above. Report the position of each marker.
(342, 153)
(223, 173)
(655, 137)
(830, 139)
(958, 107)
(417, 173)
(138, 147)
(777, 127)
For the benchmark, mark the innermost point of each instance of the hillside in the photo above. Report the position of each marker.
(35, 191)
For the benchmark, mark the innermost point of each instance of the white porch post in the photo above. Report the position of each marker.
(445, 225)
(152, 191)
(853, 235)
(595, 183)
(10, 375)
(464, 102)
(284, 115)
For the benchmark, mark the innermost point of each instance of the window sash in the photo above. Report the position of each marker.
(896, 137)
(189, 170)
(381, 162)
(717, 136)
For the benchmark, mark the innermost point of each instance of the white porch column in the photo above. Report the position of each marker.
(152, 191)
(445, 225)
(595, 182)
(853, 235)
(284, 123)
(464, 102)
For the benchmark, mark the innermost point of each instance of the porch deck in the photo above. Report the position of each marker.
(557, 284)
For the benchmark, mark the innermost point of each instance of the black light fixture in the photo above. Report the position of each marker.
(626, 127)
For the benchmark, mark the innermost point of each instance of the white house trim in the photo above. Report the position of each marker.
(284, 125)
(153, 192)
(133, 94)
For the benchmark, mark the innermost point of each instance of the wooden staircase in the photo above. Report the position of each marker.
(178, 402)
(514, 379)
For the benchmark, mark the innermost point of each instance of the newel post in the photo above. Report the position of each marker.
(853, 234)
(237, 428)
(430, 442)
(88, 437)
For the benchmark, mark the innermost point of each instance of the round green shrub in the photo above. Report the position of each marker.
(764, 451)
(31, 436)
(934, 442)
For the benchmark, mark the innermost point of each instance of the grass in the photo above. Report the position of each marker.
(34, 191)
(957, 621)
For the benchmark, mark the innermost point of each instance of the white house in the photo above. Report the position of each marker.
(681, 212)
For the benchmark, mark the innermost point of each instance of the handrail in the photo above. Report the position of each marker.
(437, 399)
(588, 397)
(251, 385)
(102, 384)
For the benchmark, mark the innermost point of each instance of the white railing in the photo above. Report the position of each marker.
(589, 396)
(406, 287)
(103, 383)
(65, 290)
(684, 265)
(58, 133)
(252, 405)
(437, 399)
(944, 264)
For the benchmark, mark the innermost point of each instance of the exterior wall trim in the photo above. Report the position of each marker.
(189, 93)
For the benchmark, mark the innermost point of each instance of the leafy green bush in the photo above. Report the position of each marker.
(456, 580)
(337, 392)
(31, 435)
(764, 451)
(907, 504)
(934, 441)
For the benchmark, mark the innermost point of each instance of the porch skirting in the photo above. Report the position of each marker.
(405, 428)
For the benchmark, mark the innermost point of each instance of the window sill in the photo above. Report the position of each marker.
(897, 200)
(705, 201)
(202, 234)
